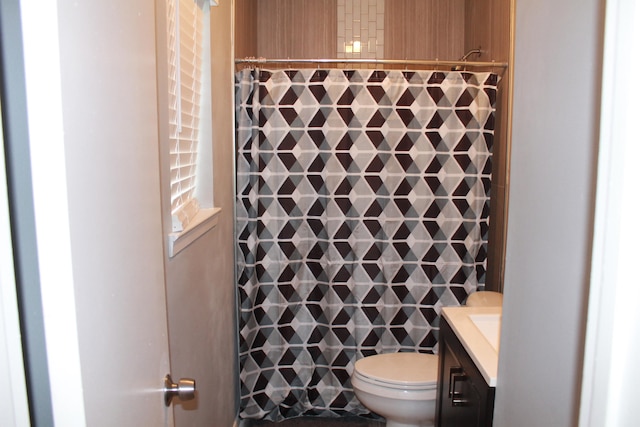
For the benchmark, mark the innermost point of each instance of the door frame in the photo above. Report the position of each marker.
(39, 175)
(611, 372)
(13, 390)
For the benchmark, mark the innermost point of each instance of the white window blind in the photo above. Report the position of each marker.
(185, 23)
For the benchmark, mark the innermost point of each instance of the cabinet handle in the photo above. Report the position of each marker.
(456, 373)
(459, 402)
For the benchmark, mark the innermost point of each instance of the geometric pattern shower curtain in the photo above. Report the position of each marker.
(363, 208)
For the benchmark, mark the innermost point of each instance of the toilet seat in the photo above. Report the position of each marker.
(399, 371)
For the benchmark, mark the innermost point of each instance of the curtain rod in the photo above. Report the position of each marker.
(436, 62)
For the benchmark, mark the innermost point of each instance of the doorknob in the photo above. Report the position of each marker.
(185, 389)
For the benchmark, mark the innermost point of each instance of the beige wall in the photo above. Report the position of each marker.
(200, 279)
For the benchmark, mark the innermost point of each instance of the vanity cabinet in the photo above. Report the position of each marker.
(464, 399)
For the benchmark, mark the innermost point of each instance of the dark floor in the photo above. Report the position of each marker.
(321, 422)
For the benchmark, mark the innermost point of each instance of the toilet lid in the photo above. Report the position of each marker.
(414, 369)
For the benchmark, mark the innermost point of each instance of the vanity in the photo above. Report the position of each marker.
(468, 364)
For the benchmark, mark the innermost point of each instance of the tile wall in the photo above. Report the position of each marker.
(360, 29)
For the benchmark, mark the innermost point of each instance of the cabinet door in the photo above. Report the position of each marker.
(460, 399)
(464, 398)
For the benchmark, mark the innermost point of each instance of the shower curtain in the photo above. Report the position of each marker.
(362, 209)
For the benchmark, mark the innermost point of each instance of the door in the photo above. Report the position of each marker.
(91, 104)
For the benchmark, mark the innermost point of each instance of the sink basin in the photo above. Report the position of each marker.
(489, 327)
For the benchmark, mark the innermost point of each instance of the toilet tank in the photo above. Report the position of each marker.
(485, 299)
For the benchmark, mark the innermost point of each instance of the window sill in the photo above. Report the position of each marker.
(204, 221)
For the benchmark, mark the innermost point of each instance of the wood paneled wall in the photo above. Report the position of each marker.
(414, 29)
(246, 28)
(487, 25)
(424, 29)
(297, 29)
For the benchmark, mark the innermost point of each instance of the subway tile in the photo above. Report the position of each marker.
(371, 47)
(360, 20)
(357, 46)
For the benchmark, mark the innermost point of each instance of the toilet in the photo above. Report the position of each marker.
(484, 299)
(402, 387)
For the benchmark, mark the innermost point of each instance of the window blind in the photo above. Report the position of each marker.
(184, 41)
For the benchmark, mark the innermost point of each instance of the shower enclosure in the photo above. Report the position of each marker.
(363, 208)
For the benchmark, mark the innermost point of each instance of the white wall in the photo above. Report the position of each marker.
(555, 130)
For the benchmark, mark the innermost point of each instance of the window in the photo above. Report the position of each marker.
(189, 101)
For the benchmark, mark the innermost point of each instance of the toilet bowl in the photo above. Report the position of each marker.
(401, 387)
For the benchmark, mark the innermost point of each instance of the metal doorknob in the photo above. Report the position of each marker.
(185, 389)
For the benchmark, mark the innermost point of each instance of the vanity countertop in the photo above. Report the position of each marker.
(478, 329)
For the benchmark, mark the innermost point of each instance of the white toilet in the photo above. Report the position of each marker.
(398, 386)
(402, 387)
(484, 299)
